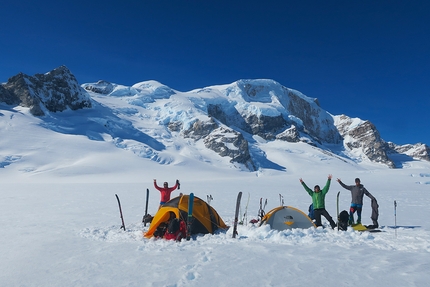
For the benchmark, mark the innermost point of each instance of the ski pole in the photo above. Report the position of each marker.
(395, 217)
(245, 218)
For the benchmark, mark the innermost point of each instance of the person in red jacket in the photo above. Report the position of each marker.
(165, 191)
(176, 229)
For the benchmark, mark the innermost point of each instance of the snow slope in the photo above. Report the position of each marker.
(60, 219)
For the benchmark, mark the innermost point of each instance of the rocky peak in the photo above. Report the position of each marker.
(221, 139)
(101, 87)
(54, 91)
(363, 136)
(418, 151)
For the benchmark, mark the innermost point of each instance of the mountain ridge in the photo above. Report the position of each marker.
(226, 119)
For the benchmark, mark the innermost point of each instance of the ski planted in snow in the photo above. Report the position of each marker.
(190, 214)
(120, 212)
(236, 214)
(145, 217)
(337, 209)
(261, 212)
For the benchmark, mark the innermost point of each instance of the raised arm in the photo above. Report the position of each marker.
(308, 190)
(155, 185)
(343, 185)
(327, 185)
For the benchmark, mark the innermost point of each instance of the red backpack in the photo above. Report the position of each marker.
(176, 230)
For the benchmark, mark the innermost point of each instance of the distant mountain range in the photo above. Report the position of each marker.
(226, 119)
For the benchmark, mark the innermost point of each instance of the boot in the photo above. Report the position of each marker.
(333, 224)
(358, 219)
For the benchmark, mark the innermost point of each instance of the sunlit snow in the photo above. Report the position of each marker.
(60, 219)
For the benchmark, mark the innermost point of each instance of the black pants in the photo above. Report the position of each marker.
(323, 212)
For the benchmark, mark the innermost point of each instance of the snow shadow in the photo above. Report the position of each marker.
(260, 159)
(399, 159)
(95, 123)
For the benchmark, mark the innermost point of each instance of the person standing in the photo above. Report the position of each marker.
(318, 201)
(165, 191)
(357, 193)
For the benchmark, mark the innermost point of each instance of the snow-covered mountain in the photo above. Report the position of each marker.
(237, 122)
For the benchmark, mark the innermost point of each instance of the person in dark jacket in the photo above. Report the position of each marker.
(357, 193)
(318, 201)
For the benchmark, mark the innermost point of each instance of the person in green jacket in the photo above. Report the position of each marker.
(318, 200)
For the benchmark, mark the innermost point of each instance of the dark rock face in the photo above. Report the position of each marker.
(220, 139)
(101, 87)
(54, 91)
(7, 97)
(229, 117)
(200, 129)
(290, 135)
(313, 120)
(417, 151)
(321, 129)
(265, 126)
(227, 142)
(366, 137)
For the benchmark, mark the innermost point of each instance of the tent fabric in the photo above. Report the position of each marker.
(287, 217)
(205, 218)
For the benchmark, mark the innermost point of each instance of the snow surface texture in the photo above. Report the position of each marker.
(61, 226)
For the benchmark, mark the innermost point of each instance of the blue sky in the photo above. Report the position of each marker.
(366, 59)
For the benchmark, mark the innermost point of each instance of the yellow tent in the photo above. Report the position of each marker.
(205, 218)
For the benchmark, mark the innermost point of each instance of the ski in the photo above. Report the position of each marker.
(120, 212)
(400, 226)
(261, 212)
(190, 215)
(144, 219)
(236, 215)
(362, 228)
(337, 209)
(244, 217)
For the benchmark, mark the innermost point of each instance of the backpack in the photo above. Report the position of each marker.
(161, 230)
(174, 225)
(343, 220)
(179, 226)
(311, 211)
